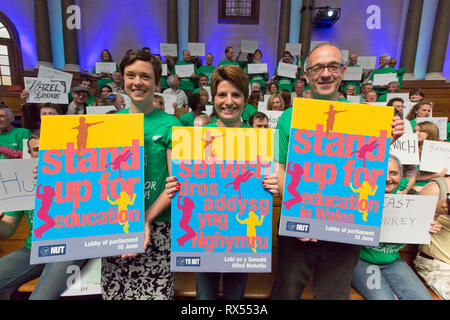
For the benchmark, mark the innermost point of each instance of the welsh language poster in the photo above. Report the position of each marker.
(336, 171)
(221, 215)
(89, 190)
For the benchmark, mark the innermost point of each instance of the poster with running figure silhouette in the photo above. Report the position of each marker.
(90, 187)
(336, 171)
(222, 214)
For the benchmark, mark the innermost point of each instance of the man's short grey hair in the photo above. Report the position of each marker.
(397, 161)
(385, 56)
(323, 44)
(8, 109)
(170, 79)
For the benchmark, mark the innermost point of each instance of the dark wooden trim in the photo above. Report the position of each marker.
(253, 19)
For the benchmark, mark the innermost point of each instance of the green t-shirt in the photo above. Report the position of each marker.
(284, 130)
(186, 83)
(256, 77)
(284, 83)
(29, 215)
(384, 253)
(207, 70)
(157, 139)
(249, 109)
(214, 125)
(227, 63)
(13, 139)
(188, 118)
(382, 71)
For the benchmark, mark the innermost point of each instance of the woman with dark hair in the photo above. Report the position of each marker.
(104, 77)
(260, 78)
(102, 98)
(229, 90)
(421, 109)
(197, 108)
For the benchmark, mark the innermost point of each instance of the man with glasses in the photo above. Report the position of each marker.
(332, 262)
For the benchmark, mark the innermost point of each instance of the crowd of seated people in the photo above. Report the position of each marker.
(278, 93)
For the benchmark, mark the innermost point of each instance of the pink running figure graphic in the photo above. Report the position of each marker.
(296, 176)
(82, 135)
(209, 156)
(364, 149)
(240, 179)
(46, 201)
(331, 117)
(118, 161)
(186, 208)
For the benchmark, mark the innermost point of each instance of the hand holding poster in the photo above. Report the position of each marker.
(336, 171)
(406, 149)
(222, 215)
(407, 218)
(89, 197)
(46, 90)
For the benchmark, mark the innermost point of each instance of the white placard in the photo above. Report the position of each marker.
(435, 156)
(294, 48)
(314, 44)
(99, 109)
(440, 122)
(184, 70)
(287, 70)
(169, 100)
(17, 189)
(262, 105)
(407, 107)
(273, 116)
(376, 103)
(402, 95)
(248, 46)
(353, 74)
(25, 153)
(50, 73)
(105, 67)
(254, 68)
(367, 62)
(407, 218)
(345, 54)
(406, 149)
(209, 109)
(168, 49)
(354, 99)
(196, 48)
(164, 69)
(384, 78)
(46, 90)
(266, 97)
(88, 281)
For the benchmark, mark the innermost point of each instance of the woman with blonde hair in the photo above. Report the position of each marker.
(275, 103)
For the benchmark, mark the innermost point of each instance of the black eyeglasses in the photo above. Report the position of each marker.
(318, 68)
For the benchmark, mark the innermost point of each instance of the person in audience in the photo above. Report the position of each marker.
(15, 268)
(11, 138)
(103, 77)
(245, 63)
(383, 69)
(182, 100)
(229, 54)
(260, 78)
(298, 257)
(275, 103)
(398, 105)
(365, 88)
(393, 87)
(286, 97)
(416, 95)
(396, 278)
(146, 276)
(78, 104)
(204, 97)
(426, 131)
(421, 109)
(197, 108)
(392, 62)
(432, 262)
(350, 90)
(342, 95)
(273, 87)
(352, 60)
(116, 86)
(32, 112)
(229, 89)
(255, 98)
(158, 102)
(49, 109)
(208, 68)
(284, 82)
(371, 96)
(202, 120)
(259, 120)
(187, 84)
(299, 88)
(147, 49)
(104, 97)
(84, 82)
(307, 94)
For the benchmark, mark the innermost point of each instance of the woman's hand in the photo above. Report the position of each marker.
(270, 183)
(172, 185)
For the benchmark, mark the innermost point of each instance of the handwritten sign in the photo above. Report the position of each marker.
(50, 73)
(273, 116)
(435, 156)
(46, 90)
(406, 149)
(440, 122)
(168, 49)
(336, 171)
(222, 215)
(407, 218)
(90, 187)
(17, 187)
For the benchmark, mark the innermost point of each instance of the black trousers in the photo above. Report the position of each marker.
(333, 264)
